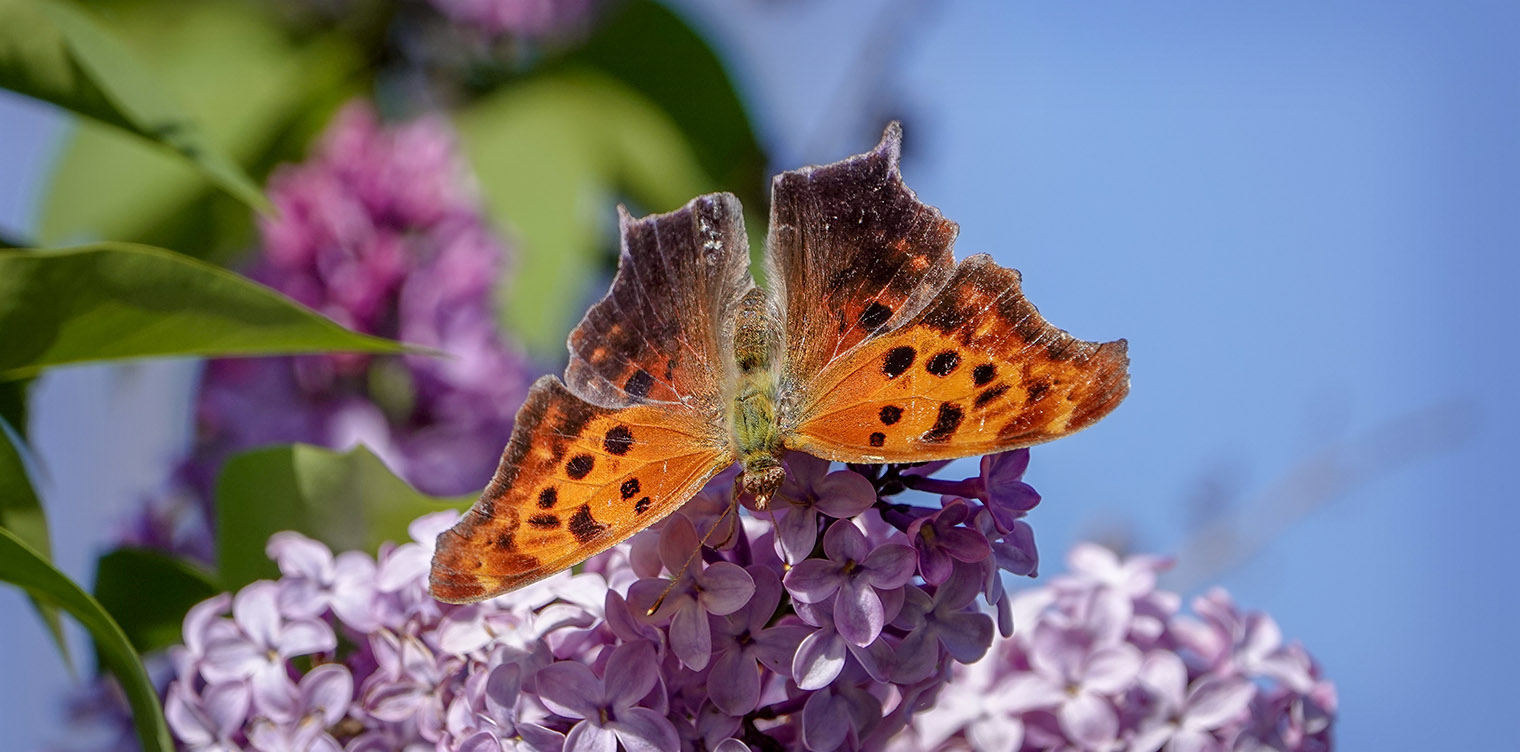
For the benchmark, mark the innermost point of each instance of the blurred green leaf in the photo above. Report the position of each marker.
(115, 300)
(552, 154)
(23, 566)
(247, 82)
(651, 49)
(148, 592)
(13, 395)
(21, 513)
(55, 51)
(349, 500)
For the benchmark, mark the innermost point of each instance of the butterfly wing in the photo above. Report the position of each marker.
(575, 479)
(977, 371)
(910, 357)
(639, 424)
(853, 253)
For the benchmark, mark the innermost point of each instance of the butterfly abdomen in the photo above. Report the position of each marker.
(757, 435)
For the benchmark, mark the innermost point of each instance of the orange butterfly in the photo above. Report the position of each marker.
(876, 347)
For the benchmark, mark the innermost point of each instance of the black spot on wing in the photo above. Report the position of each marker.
(989, 395)
(890, 414)
(641, 505)
(544, 521)
(1038, 390)
(898, 361)
(874, 316)
(580, 466)
(945, 424)
(618, 440)
(548, 497)
(983, 374)
(943, 364)
(505, 542)
(583, 526)
(878, 438)
(630, 488)
(639, 384)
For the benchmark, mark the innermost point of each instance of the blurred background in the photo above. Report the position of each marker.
(1302, 217)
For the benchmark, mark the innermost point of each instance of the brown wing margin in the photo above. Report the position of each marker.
(575, 479)
(656, 335)
(853, 252)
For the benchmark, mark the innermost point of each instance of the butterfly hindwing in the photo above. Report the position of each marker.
(575, 479)
(853, 253)
(976, 371)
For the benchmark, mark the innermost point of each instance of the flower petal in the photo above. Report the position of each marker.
(890, 566)
(819, 659)
(813, 580)
(691, 636)
(256, 610)
(724, 587)
(569, 689)
(858, 613)
(304, 637)
(844, 542)
(844, 493)
(1089, 720)
(824, 727)
(966, 635)
(1217, 699)
(734, 683)
(643, 730)
(631, 672)
(226, 706)
(1112, 669)
(588, 737)
(328, 689)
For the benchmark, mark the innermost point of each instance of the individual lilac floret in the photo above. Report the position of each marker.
(810, 489)
(719, 589)
(852, 574)
(942, 539)
(297, 716)
(945, 620)
(265, 641)
(210, 721)
(608, 708)
(1184, 717)
(741, 640)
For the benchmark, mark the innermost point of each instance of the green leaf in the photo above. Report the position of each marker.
(150, 616)
(348, 500)
(53, 50)
(252, 87)
(115, 300)
(687, 80)
(21, 513)
(552, 154)
(23, 566)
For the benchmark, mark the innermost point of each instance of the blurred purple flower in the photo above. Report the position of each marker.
(526, 18)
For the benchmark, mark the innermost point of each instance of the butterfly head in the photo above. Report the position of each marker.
(761, 479)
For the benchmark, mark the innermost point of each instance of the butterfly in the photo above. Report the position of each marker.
(875, 346)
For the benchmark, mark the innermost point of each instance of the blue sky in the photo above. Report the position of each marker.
(1301, 215)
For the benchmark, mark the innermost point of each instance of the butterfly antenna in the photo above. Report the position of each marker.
(732, 505)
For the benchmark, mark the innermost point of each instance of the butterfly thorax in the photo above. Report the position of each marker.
(757, 435)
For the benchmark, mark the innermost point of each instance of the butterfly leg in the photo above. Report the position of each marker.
(676, 577)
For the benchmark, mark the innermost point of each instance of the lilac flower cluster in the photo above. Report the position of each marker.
(381, 231)
(825, 631)
(1103, 660)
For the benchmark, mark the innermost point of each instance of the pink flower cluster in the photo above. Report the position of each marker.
(1103, 660)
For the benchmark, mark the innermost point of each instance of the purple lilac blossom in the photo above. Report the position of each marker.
(380, 230)
(1103, 660)
(519, 18)
(744, 652)
(836, 651)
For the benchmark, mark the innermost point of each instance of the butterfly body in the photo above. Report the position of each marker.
(873, 346)
(758, 442)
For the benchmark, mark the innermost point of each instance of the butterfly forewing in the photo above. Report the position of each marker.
(854, 253)
(657, 335)
(575, 479)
